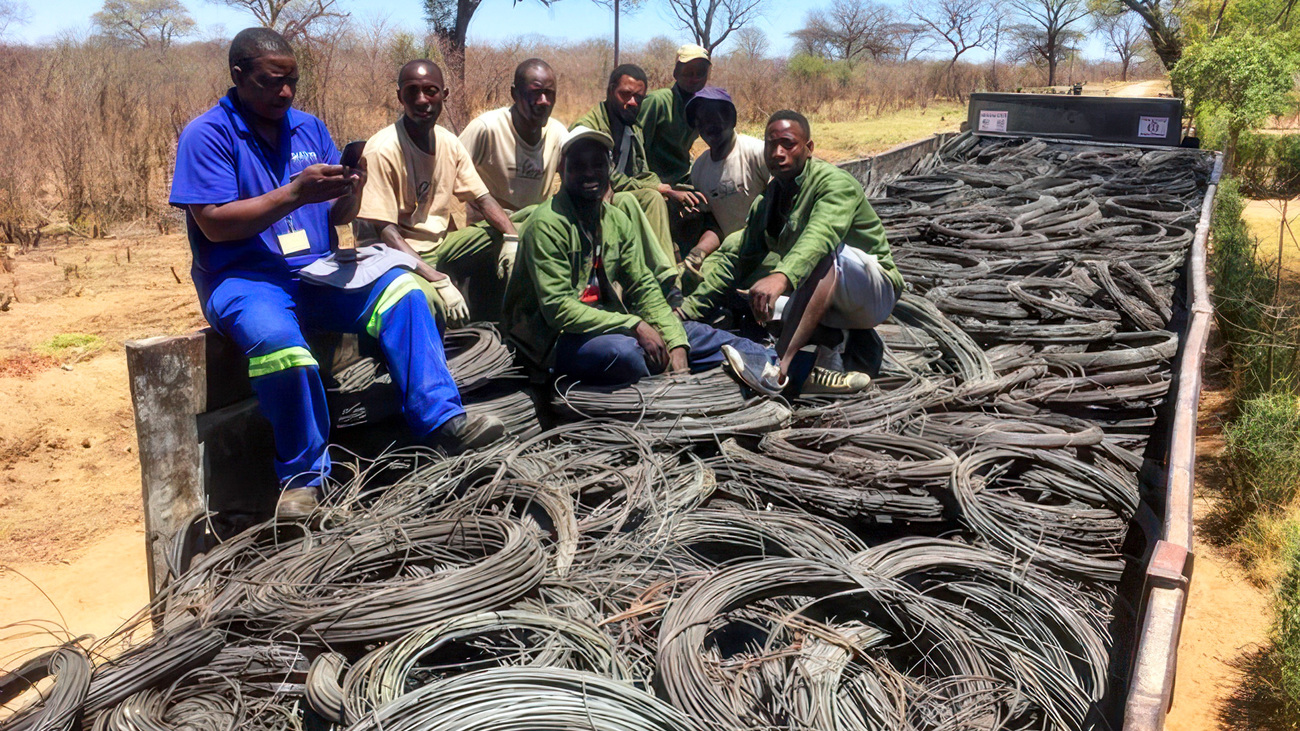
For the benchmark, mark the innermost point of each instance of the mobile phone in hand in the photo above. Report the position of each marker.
(351, 157)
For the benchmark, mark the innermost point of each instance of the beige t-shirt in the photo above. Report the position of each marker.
(733, 182)
(518, 174)
(414, 190)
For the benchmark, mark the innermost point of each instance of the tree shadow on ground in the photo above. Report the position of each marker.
(1256, 703)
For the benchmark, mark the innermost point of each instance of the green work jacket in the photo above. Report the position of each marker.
(542, 298)
(641, 177)
(668, 138)
(829, 208)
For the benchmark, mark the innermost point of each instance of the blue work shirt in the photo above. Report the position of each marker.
(220, 159)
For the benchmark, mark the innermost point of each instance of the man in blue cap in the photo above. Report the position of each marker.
(732, 174)
(263, 193)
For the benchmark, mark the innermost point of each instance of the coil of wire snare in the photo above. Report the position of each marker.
(684, 557)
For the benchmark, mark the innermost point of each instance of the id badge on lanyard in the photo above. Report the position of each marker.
(293, 241)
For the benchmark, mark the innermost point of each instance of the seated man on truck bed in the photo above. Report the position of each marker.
(731, 174)
(262, 190)
(631, 178)
(582, 301)
(516, 149)
(417, 170)
(813, 262)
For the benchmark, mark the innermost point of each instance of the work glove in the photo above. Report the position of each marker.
(694, 261)
(506, 259)
(452, 300)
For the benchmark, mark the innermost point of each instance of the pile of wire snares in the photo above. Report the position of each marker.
(943, 551)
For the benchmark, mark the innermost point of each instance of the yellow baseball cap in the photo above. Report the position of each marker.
(691, 52)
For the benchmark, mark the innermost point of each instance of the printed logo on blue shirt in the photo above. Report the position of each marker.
(304, 157)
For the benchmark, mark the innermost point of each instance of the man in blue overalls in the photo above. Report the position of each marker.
(261, 188)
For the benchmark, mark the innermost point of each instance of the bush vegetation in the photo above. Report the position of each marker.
(91, 124)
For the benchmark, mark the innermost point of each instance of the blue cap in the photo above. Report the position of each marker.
(709, 93)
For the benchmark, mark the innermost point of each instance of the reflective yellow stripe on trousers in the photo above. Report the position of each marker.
(392, 294)
(294, 357)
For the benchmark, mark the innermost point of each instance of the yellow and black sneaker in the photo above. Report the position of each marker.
(827, 381)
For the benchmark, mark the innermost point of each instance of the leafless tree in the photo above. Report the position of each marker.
(961, 25)
(144, 23)
(1124, 35)
(911, 39)
(1045, 29)
(751, 43)
(999, 25)
(848, 30)
(711, 22)
(1030, 45)
(13, 13)
(293, 19)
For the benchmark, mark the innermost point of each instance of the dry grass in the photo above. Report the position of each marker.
(837, 141)
(91, 128)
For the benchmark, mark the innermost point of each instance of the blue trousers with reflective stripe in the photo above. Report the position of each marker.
(611, 360)
(266, 318)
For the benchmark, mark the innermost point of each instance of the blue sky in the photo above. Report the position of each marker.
(495, 19)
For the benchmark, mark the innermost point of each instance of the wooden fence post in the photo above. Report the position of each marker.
(168, 389)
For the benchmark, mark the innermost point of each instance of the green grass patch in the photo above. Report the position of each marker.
(1260, 328)
(1263, 453)
(1286, 629)
(71, 344)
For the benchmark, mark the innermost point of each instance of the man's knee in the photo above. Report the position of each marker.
(403, 291)
(620, 360)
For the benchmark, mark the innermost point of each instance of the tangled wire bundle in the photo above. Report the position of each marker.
(943, 551)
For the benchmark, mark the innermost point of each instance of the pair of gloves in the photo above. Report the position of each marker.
(454, 302)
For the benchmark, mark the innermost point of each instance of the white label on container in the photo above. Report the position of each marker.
(1153, 127)
(993, 121)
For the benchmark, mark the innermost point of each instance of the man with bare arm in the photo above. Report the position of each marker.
(417, 170)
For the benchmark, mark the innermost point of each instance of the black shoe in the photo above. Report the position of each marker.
(464, 432)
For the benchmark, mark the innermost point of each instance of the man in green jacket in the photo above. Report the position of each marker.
(629, 171)
(581, 300)
(813, 261)
(667, 133)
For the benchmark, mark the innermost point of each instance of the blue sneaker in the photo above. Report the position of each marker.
(755, 371)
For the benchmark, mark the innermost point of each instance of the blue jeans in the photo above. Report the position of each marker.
(266, 320)
(612, 360)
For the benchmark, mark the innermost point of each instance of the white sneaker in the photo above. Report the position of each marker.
(755, 371)
(827, 381)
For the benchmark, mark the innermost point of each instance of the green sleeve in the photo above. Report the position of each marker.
(643, 293)
(828, 224)
(739, 254)
(653, 112)
(545, 256)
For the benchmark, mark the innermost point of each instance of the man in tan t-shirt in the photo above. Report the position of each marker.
(416, 170)
(516, 149)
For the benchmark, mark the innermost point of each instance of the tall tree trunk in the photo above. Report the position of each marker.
(454, 113)
(1123, 69)
(1230, 151)
(615, 32)
(1051, 67)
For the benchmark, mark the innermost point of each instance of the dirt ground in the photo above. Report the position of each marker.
(1227, 618)
(71, 527)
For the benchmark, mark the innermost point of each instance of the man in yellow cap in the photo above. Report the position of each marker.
(668, 136)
